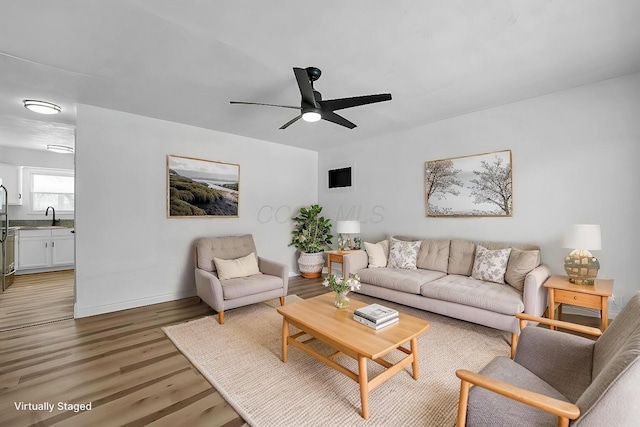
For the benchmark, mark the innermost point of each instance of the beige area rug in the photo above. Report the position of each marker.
(242, 361)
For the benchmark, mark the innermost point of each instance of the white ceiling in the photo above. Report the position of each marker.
(185, 60)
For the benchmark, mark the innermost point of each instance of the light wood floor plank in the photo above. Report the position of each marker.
(120, 362)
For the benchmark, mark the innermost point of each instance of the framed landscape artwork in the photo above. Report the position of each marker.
(478, 185)
(201, 188)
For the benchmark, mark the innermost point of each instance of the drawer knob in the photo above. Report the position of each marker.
(575, 297)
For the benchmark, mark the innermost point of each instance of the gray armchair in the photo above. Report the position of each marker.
(561, 379)
(221, 295)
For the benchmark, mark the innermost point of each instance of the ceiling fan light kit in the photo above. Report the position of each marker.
(313, 107)
(41, 107)
(311, 115)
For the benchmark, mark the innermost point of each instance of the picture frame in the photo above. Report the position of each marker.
(198, 188)
(478, 185)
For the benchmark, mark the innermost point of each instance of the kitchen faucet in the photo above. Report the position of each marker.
(53, 223)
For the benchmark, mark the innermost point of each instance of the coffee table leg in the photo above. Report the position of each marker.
(285, 337)
(364, 386)
(414, 352)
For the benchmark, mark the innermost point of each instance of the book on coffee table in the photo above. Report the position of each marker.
(375, 326)
(376, 313)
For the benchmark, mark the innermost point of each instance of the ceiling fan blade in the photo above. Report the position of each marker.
(268, 105)
(339, 120)
(342, 103)
(306, 90)
(290, 122)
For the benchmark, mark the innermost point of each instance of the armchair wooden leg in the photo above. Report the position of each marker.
(281, 300)
(514, 344)
(462, 403)
(221, 317)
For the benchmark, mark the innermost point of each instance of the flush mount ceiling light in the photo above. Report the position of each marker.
(41, 107)
(59, 148)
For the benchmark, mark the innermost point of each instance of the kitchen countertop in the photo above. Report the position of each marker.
(41, 227)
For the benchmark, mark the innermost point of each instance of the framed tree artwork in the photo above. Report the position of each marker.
(201, 188)
(477, 185)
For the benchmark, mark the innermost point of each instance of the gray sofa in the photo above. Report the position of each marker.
(441, 283)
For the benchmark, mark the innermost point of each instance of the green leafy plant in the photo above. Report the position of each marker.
(311, 233)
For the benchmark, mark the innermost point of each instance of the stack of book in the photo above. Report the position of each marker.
(376, 316)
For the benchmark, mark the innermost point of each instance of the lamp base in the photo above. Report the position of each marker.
(581, 267)
(347, 246)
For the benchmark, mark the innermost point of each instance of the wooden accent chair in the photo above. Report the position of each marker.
(560, 379)
(271, 282)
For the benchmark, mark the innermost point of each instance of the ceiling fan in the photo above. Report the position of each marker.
(313, 107)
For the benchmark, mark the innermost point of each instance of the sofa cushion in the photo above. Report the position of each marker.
(403, 254)
(409, 281)
(230, 247)
(378, 253)
(250, 285)
(490, 265)
(486, 408)
(433, 255)
(239, 267)
(461, 255)
(520, 264)
(475, 293)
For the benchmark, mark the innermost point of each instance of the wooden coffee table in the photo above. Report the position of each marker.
(320, 319)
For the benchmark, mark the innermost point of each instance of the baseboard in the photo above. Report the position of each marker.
(588, 312)
(125, 305)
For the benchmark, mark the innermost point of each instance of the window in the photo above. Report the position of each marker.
(51, 187)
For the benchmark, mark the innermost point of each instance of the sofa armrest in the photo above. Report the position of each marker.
(355, 261)
(534, 294)
(558, 324)
(274, 268)
(209, 289)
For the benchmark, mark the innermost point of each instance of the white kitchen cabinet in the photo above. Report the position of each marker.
(34, 249)
(62, 247)
(49, 249)
(11, 177)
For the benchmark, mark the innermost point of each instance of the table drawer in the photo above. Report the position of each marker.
(576, 298)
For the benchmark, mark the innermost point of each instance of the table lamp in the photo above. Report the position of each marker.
(348, 228)
(580, 265)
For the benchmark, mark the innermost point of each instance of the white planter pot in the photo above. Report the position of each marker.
(310, 265)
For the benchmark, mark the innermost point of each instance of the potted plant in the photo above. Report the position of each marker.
(311, 236)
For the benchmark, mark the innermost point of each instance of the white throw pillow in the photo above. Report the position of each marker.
(403, 254)
(240, 267)
(490, 266)
(378, 253)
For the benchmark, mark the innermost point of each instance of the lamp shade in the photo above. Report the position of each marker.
(348, 227)
(583, 236)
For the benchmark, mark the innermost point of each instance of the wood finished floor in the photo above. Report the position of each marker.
(35, 299)
(120, 362)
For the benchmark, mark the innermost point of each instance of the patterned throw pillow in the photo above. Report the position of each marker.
(403, 254)
(490, 266)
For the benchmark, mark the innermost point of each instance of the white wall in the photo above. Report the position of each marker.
(128, 253)
(575, 160)
(34, 158)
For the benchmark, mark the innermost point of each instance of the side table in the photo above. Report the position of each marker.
(596, 296)
(335, 256)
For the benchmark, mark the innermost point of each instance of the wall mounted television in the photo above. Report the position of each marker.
(340, 178)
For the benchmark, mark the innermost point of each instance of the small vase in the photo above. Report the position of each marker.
(341, 300)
